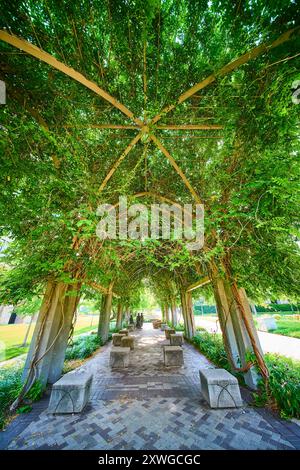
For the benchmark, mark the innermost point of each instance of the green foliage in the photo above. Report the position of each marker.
(15, 351)
(211, 345)
(83, 347)
(284, 382)
(29, 306)
(36, 391)
(278, 308)
(288, 327)
(284, 385)
(179, 327)
(24, 409)
(114, 330)
(10, 387)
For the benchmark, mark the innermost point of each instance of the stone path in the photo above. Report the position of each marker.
(270, 342)
(150, 407)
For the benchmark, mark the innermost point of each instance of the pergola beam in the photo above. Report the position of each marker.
(56, 64)
(161, 127)
(119, 161)
(176, 167)
(101, 288)
(102, 126)
(202, 282)
(190, 127)
(243, 59)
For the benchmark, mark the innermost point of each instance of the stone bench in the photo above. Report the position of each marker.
(176, 340)
(71, 393)
(173, 356)
(131, 327)
(163, 326)
(127, 342)
(266, 324)
(168, 332)
(220, 388)
(116, 339)
(119, 357)
(123, 332)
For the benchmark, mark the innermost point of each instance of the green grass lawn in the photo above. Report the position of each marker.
(288, 327)
(12, 336)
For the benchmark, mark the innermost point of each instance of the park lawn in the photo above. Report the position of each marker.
(288, 327)
(12, 336)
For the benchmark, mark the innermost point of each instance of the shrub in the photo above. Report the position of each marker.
(276, 316)
(284, 382)
(284, 385)
(83, 347)
(179, 327)
(10, 387)
(200, 328)
(211, 345)
(115, 329)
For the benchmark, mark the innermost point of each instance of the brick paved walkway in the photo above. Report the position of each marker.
(150, 407)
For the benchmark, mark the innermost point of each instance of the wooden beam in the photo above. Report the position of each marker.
(53, 62)
(243, 59)
(176, 167)
(202, 282)
(101, 126)
(189, 136)
(161, 127)
(190, 126)
(119, 161)
(98, 287)
(102, 289)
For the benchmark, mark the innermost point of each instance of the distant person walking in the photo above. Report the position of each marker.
(138, 322)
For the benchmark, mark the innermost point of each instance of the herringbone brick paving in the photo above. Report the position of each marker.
(148, 406)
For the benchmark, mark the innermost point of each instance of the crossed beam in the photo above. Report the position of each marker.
(145, 128)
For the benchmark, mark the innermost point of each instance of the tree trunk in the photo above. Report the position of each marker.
(69, 308)
(163, 313)
(105, 312)
(167, 315)
(119, 316)
(174, 313)
(237, 325)
(187, 313)
(48, 345)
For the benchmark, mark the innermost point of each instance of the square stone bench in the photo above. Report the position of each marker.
(119, 357)
(168, 332)
(127, 342)
(266, 324)
(173, 356)
(220, 388)
(163, 326)
(123, 332)
(71, 393)
(116, 339)
(131, 327)
(176, 340)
